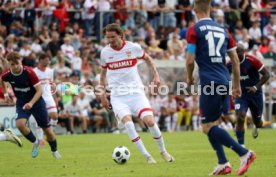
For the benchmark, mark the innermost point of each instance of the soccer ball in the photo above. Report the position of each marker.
(121, 154)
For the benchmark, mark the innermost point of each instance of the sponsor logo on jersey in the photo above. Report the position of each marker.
(244, 77)
(122, 64)
(22, 89)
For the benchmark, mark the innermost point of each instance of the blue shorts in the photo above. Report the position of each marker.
(252, 101)
(226, 107)
(211, 106)
(39, 111)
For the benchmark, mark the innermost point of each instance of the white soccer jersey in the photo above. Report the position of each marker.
(121, 64)
(46, 78)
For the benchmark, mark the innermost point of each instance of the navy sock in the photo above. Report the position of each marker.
(240, 136)
(219, 150)
(30, 136)
(53, 145)
(222, 137)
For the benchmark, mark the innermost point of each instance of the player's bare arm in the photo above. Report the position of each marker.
(263, 80)
(37, 95)
(156, 77)
(102, 89)
(236, 73)
(190, 65)
(8, 99)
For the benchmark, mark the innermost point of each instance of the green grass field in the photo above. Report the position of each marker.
(90, 155)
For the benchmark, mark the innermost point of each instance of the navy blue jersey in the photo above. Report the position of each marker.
(23, 84)
(249, 69)
(211, 42)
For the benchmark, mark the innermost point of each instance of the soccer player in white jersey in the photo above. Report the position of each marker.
(46, 77)
(119, 71)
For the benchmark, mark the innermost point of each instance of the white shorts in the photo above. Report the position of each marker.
(50, 104)
(135, 104)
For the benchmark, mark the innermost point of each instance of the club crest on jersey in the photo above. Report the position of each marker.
(128, 54)
(122, 64)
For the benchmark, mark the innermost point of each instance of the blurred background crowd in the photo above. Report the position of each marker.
(69, 31)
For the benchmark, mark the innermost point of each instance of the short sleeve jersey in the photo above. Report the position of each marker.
(249, 69)
(121, 64)
(23, 84)
(211, 42)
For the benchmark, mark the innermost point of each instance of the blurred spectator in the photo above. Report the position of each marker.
(50, 5)
(270, 53)
(255, 52)
(99, 114)
(255, 32)
(54, 45)
(67, 48)
(36, 47)
(151, 6)
(88, 15)
(263, 48)
(175, 47)
(76, 61)
(154, 51)
(73, 111)
(270, 28)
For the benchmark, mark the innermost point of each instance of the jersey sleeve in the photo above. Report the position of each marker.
(32, 76)
(191, 40)
(231, 43)
(257, 64)
(139, 52)
(102, 60)
(4, 75)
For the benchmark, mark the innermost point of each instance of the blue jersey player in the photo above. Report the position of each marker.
(252, 95)
(208, 43)
(28, 91)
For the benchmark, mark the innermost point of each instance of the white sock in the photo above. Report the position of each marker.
(156, 134)
(39, 133)
(174, 121)
(168, 123)
(135, 138)
(53, 122)
(3, 136)
(195, 124)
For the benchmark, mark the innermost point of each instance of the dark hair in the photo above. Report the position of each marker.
(113, 27)
(14, 57)
(42, 56)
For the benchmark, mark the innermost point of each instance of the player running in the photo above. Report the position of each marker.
(46, 77)
(208, 43)
(28, 91)
(119, 67)
(252, 95)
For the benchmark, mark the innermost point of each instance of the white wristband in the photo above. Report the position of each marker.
(6, 94)
(255, 87)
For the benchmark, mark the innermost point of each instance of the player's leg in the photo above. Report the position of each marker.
(52, 109)
(135, 138)
(8, 135)
(142, 108)
(174, 118)
(241, 108)
(211, 106)
(53, 117)
(123, 113)
(41, 116)
(256, 108)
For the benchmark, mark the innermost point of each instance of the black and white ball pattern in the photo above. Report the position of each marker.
(121, 154)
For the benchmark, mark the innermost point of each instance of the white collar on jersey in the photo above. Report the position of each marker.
(243, 59)
(205, 19)
(18, 73)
